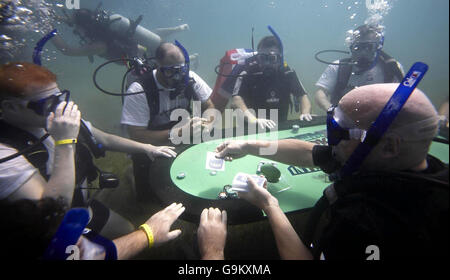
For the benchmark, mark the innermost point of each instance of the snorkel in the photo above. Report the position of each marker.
(381, 124)
(186, 62)
(279, 43)
(63, 244)
(37, 53)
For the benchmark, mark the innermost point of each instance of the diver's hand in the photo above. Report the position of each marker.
(231, 149)
(184, 27)
(159, 151)
(306, 117)
(260, 197)
(64, 125)
(197, 125)
(161, 222)
(212, 234)
(194, 126)
(264, 123)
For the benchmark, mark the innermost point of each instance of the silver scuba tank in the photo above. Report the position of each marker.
(142, 35)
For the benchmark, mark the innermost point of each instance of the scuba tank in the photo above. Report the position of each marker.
(143, 36)
(224, 70)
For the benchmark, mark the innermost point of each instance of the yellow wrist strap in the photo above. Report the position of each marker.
(66, 141)
(149, 233)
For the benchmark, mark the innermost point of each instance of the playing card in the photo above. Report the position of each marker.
(240, 183)
(213, 163)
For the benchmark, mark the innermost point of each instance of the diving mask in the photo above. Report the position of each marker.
(46, 105)
(175, 72)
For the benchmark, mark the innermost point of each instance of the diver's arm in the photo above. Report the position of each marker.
(61, 182)
(288, 242)
(95, 48)
(239, 103)
(290, 246)
(119, 144)
(131, 244)
(288, 151)
(306, 105)
(163, 32)
(159, 224)
(322, 99)
(144, 135)
(209, 115)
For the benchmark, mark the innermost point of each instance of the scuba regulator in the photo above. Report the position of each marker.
(145, 66)
(266, 64)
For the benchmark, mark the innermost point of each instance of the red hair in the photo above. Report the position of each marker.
(22, 79)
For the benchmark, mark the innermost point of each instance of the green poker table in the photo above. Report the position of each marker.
(297, 190)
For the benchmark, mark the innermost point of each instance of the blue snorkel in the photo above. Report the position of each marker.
(68, 234)
(279, 42)
(384, 120)
(37, 53)
(186, 62)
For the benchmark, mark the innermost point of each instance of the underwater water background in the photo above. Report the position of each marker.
(415, 30)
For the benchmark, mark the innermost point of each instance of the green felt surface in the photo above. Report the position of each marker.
(306, 185)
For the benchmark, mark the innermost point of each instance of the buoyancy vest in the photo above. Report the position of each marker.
(391, 68)
(401, 213)
(84, 165)
(274, 92)
(152, 93)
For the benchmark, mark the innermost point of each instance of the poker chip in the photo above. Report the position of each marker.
(222, 195)
(271, 173)
(295, 128)
(213, 173)
(181, 175)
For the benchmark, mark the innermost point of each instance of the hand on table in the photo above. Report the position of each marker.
(231, 149)
(306, 117)
(161, 222)
(260, 197)
(194, 125)
(264, 123)
(159, 151)
(212, 234)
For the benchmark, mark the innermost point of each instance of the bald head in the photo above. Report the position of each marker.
(169, 54)
(364, 104)
(406, 143)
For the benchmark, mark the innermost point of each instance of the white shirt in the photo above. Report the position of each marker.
(328, 80)
(136, 112)
(16, 172)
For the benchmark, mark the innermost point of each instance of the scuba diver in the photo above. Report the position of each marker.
(111, 36)
(169, 87)
(265, 81)
(46, 150)
(368, 64)
(395, 196)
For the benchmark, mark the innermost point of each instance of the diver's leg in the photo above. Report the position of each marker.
(163, 32)
(106, 222)
(141, 167)
(194, 61)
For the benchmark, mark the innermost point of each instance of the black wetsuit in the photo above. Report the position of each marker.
(85, 169)
(267, 92)
(403, 214)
